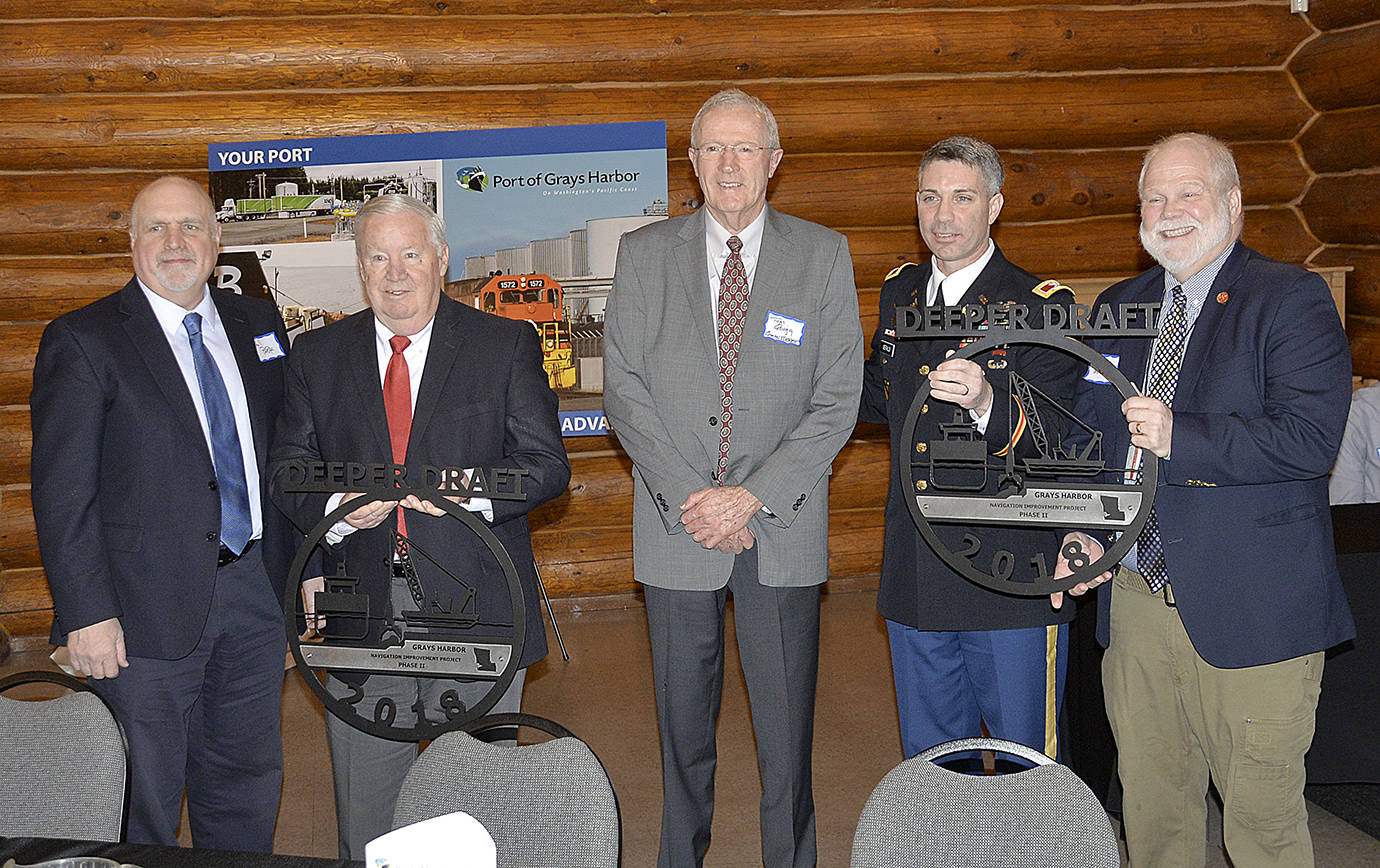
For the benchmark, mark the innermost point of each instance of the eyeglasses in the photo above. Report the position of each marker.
(742, 150)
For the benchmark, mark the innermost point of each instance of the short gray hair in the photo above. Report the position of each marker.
(973, 153)
(397, 204)
(1221, 164)
(735, 98)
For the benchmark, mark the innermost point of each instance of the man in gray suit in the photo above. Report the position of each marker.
(732, 366)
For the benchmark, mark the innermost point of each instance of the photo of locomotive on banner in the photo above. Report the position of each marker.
(413, 611)
(972, 492)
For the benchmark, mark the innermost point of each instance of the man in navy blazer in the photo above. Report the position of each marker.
(479, 398)
(179, 629)
(1216, 674)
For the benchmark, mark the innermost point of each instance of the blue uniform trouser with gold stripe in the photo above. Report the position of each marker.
(1011, 680)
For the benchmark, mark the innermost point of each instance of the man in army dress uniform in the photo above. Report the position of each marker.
(961, 653)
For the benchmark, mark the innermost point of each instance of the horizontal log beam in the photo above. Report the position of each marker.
(25, 589)
(15, 442)
(1363, 332)
(1040, 185)
(259, 9)
(136, 55)
(18, 543)
(39, 289)
(1336, 14)
(92, 216)
(28, 631)
(1344, 209)
(1087, 111)
(1338, 70)
(1339, 141)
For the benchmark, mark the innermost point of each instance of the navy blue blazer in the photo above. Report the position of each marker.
(484, 401)
(124, 495)
(1259, 411)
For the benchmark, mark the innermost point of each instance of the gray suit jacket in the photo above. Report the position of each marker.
(794, 405)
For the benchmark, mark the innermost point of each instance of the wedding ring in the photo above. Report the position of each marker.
(965, 389)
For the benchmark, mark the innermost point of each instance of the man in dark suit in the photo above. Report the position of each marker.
(732, 361)
(1215, 624)
(962, 654)
(153, 410)
(472, 393)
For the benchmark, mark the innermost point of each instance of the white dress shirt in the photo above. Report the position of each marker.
(716, 246)
(217, 343)
(955, 286)
(415, 356)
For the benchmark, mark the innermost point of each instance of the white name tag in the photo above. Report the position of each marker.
(1094, 376)
(268, 348)
(783, 329)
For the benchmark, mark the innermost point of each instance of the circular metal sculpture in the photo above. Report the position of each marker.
(945, 480)
(449, 643)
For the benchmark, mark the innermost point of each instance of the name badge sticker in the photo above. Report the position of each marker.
(268, 348)
(783, 329)
(1093, 376)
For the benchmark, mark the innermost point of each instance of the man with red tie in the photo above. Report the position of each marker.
(420, 380)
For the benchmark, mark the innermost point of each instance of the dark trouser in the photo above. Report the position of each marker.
(368, 771)
(209, 722)
(778, 643)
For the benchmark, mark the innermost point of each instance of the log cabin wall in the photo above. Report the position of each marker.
(1338, 73)
(98, 98)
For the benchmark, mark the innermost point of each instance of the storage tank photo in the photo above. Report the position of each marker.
(601, 241)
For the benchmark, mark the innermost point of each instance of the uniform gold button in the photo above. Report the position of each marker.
(921, 447)
(924, 370)
(921, 485)
(924, 408)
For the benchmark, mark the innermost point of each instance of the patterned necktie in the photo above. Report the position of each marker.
(1168, 356)
(236, 523)
(397, 405)
(733, 300)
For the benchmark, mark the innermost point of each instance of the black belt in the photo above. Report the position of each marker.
(227, 557)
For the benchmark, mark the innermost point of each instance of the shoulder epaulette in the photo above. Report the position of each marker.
(1049, 287)
(897, 270)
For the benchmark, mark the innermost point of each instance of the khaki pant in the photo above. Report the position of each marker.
(1177, 719)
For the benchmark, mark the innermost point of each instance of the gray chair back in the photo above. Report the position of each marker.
(62, 764)
(1042, 817)
(546, 803)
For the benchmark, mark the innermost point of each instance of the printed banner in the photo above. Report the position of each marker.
(533, 219)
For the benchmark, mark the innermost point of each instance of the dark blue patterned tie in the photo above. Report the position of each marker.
(1164, 377)
(236, 523)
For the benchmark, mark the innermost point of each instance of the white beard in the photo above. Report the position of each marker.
(1206, 237)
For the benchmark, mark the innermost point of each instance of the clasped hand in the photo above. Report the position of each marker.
(717, 517)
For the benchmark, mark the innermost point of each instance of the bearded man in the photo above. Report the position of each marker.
(1216, 622)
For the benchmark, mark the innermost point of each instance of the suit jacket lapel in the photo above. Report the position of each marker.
(1205, 327)
(241, 340)
(770, 280)
(152, 346)
(440, 359)
(693, 265)
(362, 365)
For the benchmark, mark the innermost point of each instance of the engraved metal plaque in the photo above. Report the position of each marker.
(953, 480)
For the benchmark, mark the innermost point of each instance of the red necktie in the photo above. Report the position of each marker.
(397, 405)
(733, 299)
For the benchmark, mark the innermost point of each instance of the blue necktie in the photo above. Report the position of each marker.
(236, 523)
